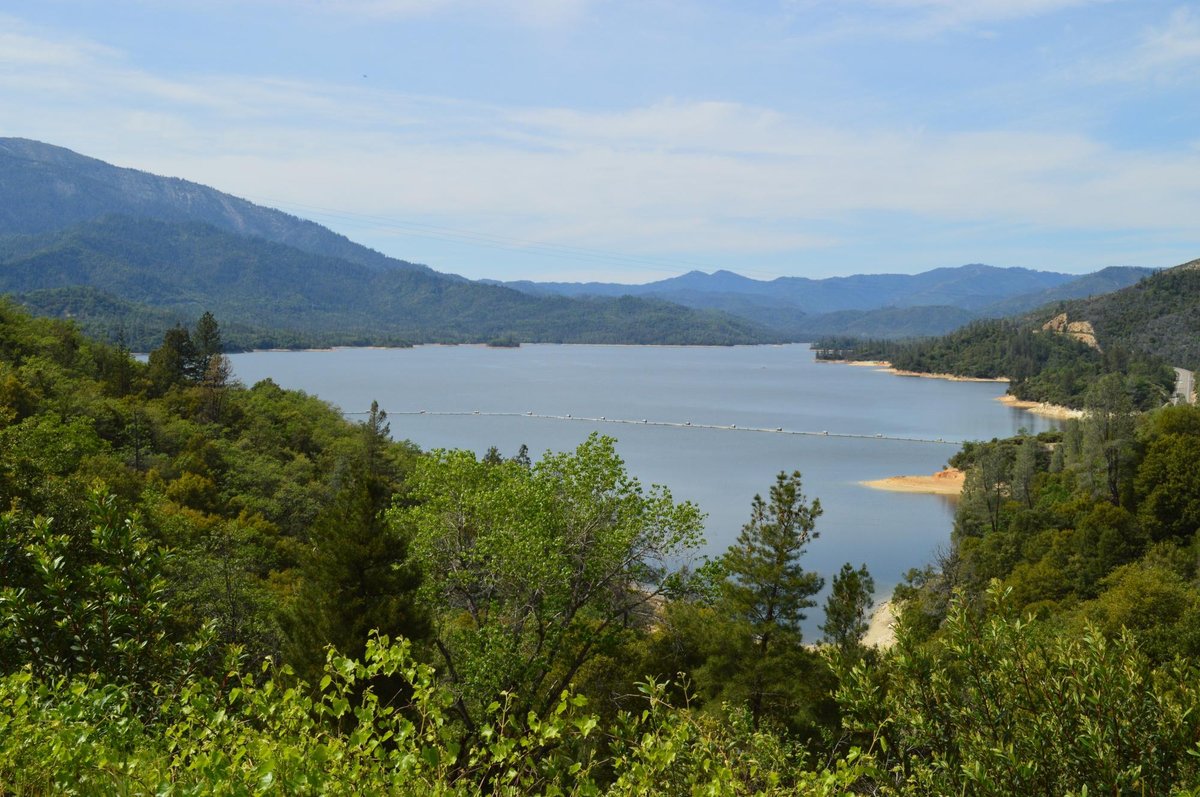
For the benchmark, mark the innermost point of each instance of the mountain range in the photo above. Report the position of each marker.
(130, 253)
(870, 305)
(127, 253)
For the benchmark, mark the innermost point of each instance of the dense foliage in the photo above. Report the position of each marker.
(1160, 315)
(127, 276)
(213, 589)
(1041, 366)
(1098, 523)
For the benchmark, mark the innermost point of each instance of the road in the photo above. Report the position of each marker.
(1185, 386)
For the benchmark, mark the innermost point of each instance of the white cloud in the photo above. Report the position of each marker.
(21, 48)
(674, 177)
(984, 10)
(532, 13)
(1164, 54)
(1171, 47)
(925, 18)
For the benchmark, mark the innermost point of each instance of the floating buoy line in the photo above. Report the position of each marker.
(672, 424)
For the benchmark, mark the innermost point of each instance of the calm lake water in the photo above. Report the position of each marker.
(720, 469)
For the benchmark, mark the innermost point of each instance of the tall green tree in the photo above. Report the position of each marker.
(531, 574)
(767, 591)
(172, 363)
(846, 608)
(206, 341)
(1024, 469)
(357, 575)
(1108, 434)
(356, 578)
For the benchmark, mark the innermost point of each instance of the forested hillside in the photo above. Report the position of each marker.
(219, 589)
(1137, 332)
(1041, 365)
(135, 278)
(1158, 315)
(129, 254)
(44, 188)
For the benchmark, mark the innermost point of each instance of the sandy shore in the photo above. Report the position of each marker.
(1055, 411)
(947, 377)
(945, 482)
(887, 367)
(880, 632)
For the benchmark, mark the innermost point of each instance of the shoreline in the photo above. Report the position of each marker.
(948, 377)
(887, 368)
(860, 363)
(1054, 411)
(948, 481)
(1042, 408)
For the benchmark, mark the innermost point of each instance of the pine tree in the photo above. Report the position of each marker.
(356, 573)
(767, 590)
(207, 344)
(846, 607)
(356, 579)
(173, 361)
(1108, 434)
(1024, 470)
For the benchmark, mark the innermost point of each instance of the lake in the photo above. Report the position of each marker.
(689, 397)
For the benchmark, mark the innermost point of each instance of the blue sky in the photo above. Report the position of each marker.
(629, 141)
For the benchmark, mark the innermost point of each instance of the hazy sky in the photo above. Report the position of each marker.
(627, 141)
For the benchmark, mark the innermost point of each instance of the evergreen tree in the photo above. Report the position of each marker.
(207, 344)
(172, 363)
(846, 608)
(356, 579)
(376, 431)
(522, 457)
(1024, 469)
(767, 591)
(1108, 434)
(356, 574)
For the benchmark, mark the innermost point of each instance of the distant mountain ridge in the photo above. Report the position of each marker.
(145, 272)
(119, 249)
(870, 305)
(970, 286)
(128, 253)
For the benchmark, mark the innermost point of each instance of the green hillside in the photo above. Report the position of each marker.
(44, 188)
(1159, 315)
(139, 276)
(1139, 332)
(128, 254)
(1040, 365)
